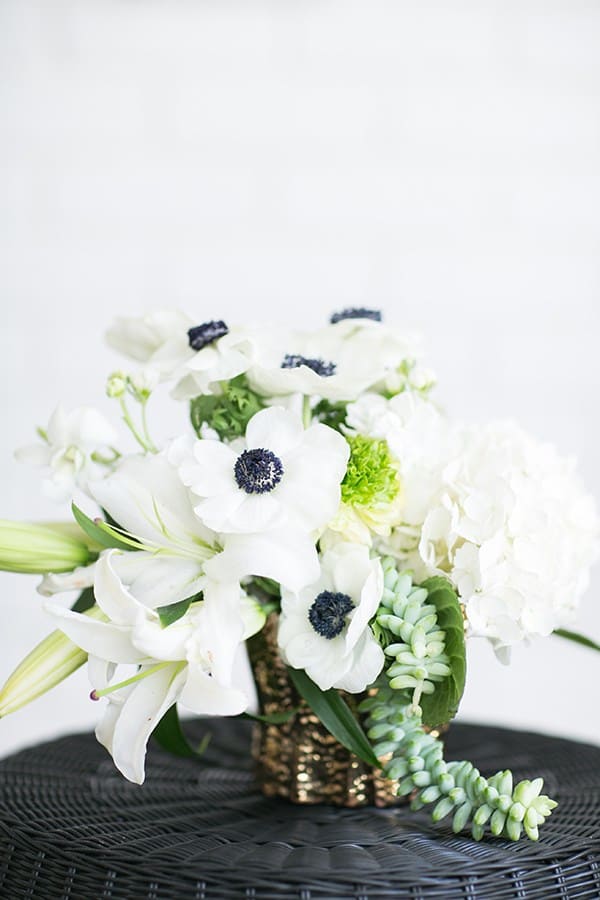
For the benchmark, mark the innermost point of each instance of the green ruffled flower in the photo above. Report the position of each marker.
(372, 474)
(371, 495)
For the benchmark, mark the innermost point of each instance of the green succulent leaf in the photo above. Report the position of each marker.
(103, 533)
(335, 714)
(442, 705)
(170, 736)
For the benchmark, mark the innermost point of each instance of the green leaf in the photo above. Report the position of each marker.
(279, 718)
(577, 638)
(331, 413)
(103, 533)
(441, 706)
(336, 716)
(229, 412)
(85, 600)
(173, 611)
(169, 735)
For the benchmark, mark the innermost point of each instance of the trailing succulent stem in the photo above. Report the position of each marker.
(418, 664)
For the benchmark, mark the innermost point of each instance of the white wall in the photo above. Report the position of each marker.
(282, 159)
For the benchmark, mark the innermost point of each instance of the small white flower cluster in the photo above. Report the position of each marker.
(314, 456)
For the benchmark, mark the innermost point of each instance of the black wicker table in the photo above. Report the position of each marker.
(71, 828)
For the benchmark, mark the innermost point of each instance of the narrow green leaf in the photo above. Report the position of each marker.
(102, 533)
(169, 735)
(173, 611)
(279, 718)
(577, 638)
(441, 706)
(335, 715)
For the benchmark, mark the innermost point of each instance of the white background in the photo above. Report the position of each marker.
(280, 160)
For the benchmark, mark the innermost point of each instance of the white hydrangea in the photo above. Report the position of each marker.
(514, 530)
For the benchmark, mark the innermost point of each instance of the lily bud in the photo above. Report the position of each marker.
(53, 660)
(37, 549)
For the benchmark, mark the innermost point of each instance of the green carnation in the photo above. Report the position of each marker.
(372, 475)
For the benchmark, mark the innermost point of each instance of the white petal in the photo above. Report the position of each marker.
(142, 711)
(111, 595)
(289, 557)
(146, 497)
(275, 429)
(212, 469)
(367, 663)
(157, 642)
(157, 580)
(257, 512)
(112, 642)
(219, 512)
(204, 695)
(77, 580)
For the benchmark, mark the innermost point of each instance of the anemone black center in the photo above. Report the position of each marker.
(356, 312)
(201, 335)
(328, 613)
(293, 360)
(258, 471)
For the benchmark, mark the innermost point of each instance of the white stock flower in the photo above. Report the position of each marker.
(515, 531)
(324, 629)
(72, 444)
(280, 476)
(193, 660)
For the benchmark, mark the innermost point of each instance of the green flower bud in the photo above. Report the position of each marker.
(47, 665)
(38, 549)
(116, 384)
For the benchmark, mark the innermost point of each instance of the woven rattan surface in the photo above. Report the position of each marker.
(72, 827)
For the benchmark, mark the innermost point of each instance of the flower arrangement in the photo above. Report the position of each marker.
(318, 482)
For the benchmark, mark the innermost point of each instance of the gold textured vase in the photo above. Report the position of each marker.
(299, 759)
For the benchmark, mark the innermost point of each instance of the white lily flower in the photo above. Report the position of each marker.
(76, 447)
(281, 476)
(191, 660)
(324, 629)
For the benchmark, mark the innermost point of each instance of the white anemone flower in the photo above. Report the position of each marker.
(324, 629)
(153, 337)
(210, 360)
(76, 447)
(337, 363)
(281, 476)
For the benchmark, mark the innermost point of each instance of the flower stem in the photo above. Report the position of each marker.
(129, 422)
